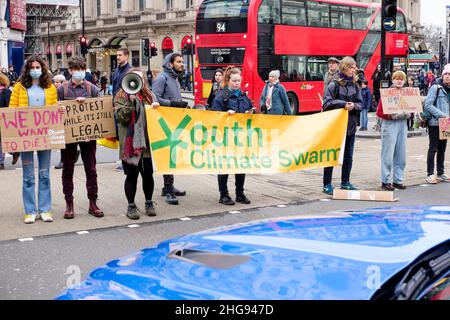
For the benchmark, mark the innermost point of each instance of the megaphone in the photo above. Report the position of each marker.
(132, 83)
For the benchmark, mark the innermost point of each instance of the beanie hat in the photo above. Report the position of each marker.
(446, 69)
(274, 73)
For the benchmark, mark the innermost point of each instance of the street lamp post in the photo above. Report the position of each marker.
(440, 53)
(49, 53)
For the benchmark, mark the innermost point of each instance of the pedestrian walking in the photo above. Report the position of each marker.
(35, 89)
(122, 68)
(103, 83)
(376, 79)
(135, 146)
(5, 95)
(78, 88)
(12, 75)
(216, 86)
(437, 105)
(410, 121)
(344, 93)
(274, 99)
(232, 100)
(366, 105)
(393, 141)
(168, 92)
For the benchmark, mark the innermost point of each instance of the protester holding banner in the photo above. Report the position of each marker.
(274, 99)
(344, 93)
(437, 105)
(167, 89)
(78, 88)
(35, 89)
(232, 100)
(393, 141)
(134, 144)
(5, 95)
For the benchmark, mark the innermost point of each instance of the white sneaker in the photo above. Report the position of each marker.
(431, 179)
(442, 178)
(29, 218)
(46, 217)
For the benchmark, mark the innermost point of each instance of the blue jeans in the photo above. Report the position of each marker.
(28, 187)
(2, 155)
(363, 118)
(393, 150)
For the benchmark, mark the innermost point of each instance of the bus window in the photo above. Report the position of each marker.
(212, 9)
(376, 25)
(401, 23)
(269, 12)
(317, 67)
(318, 14)
(361, 17)
(294, 13)
(341, 17)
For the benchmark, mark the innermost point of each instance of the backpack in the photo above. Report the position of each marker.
(88, 88)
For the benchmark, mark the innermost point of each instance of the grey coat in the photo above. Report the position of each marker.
(166, 86)
(442, 106)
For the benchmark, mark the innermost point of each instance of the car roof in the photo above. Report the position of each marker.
(339, 255)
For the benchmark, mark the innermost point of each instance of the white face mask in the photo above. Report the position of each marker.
(35, 73)
(79, 75)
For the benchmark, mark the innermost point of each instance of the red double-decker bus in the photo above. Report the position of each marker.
(293, 36)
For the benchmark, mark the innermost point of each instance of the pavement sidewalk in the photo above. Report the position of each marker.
(202, 192)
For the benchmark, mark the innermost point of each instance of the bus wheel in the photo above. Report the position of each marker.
(293, 101)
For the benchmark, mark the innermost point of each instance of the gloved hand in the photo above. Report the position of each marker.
(178, 104)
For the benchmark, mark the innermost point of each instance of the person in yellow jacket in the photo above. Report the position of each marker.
(35, 89)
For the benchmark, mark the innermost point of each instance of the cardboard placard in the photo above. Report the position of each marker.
(32, 129)
(365, 195)
(404, 100)
(444, 128)
(91, 120)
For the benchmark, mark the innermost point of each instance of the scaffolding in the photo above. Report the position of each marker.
(36, 15)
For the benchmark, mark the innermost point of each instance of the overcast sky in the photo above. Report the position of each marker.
(434, 11)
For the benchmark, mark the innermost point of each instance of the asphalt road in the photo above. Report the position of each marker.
(42, 268)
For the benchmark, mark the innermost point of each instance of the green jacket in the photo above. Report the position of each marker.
(123, 110)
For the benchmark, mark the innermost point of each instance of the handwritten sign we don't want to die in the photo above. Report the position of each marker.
(32, 129)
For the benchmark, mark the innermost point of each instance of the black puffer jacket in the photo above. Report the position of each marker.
(338, 93)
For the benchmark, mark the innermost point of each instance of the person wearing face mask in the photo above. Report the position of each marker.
(394, 131)
(274, 99)
(135, 146)
(35, 89)
(232, 100)
(79, 89)
(167, 90)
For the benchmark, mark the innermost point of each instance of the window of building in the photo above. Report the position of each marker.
(318, 14)
(269, 12)
(189, 4)
(99, 7)
(141, 5)
(119, 4)
(169, 4)
(294, 13)
(341, 17)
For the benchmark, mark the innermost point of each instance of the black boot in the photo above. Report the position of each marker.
(241, 198)
(226, 200)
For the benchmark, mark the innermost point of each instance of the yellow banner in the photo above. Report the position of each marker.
(185, 141)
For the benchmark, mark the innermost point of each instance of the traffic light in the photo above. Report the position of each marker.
(146, 46)
(389, 8)
(189, 47)
(153, 49)
(83, 45)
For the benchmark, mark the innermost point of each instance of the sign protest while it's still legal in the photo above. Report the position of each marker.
(31, 129)
(91, 119)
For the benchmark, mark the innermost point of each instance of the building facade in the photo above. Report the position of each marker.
(12, 32)
(112, 24)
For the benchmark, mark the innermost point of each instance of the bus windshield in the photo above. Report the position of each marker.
(213, 9)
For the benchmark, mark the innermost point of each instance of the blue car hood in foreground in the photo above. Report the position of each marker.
(341, 255)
